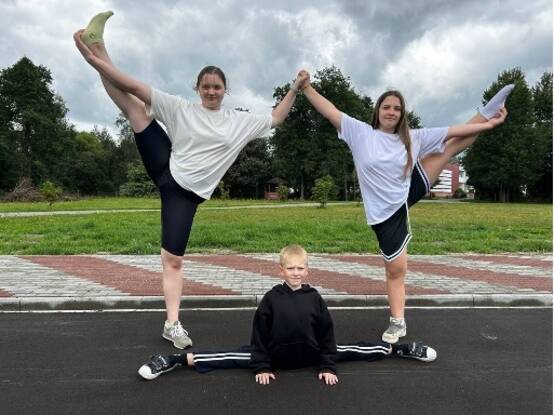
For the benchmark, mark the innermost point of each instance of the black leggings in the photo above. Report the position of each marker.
(178, 205)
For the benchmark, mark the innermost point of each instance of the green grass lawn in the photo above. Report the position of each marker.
(437, 228)
(116, 203)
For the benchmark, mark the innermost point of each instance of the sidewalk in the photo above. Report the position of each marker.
(104, 282)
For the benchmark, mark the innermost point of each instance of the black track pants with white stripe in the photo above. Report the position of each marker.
(206, 361)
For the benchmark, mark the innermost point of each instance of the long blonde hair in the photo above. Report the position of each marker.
(402, 128)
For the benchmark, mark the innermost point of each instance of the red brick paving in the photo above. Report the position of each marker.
(516, 280)
(510, 260)
(351, 284)
(126, 278)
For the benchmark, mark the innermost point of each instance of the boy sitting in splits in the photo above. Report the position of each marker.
(292, 328)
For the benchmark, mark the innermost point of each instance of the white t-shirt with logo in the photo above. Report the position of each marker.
(380, 159)
(205, 143)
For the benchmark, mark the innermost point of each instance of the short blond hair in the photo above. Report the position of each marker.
(290, 251)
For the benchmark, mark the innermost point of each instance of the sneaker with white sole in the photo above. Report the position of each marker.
(157, 365)
(177, 334)
(417, 350)
(397, 329)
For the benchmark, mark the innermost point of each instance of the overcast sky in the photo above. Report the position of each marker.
(442, 54)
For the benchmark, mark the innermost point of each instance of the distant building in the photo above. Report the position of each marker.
(463, 183)
(271, 186)
(451, 178)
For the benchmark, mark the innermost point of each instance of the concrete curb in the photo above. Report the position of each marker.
(237, 301)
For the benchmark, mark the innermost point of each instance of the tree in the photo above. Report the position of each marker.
(51, 192)
(306, 145)
(283, 192)
(126, 152)
(90, 172)
(324, 190)
(414, 120)
(542, 109)
(501, 163)
(248, 174)
(138, 182)
(34, 134)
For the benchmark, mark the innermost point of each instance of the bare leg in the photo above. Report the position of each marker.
(190, 359)
(131, 106)
(135, 112)
(433, 164)
(396, 289)
(172, 284)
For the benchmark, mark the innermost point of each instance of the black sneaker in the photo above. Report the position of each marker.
(417, 351)
(157, 365)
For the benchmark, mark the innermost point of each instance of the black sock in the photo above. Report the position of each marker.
(401, 349)
(177, 359)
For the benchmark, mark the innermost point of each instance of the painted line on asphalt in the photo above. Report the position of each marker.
(141, 310)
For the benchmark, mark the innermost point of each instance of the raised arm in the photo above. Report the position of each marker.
(323, 106)
(281, 111)
(472, 129)
(119, 79)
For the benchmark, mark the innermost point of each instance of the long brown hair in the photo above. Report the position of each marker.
(402, 128)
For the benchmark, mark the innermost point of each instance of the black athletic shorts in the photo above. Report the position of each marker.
(178, 204)
(394, 233)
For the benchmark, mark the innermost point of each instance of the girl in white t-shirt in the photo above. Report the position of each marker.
(186, 163)
(396, 167)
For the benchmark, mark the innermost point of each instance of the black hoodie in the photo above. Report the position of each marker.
(292, 329)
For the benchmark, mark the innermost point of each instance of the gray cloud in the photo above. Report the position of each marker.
(441, 54)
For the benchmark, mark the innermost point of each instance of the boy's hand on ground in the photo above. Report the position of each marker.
(264, 378)
(329, 378)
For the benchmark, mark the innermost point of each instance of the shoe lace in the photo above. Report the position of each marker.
(417, 349)
(394, 328)
(178, 330)
(158, 362)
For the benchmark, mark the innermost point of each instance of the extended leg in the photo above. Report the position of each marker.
(362, 351)
(201, 361)
(131, 106)
(433, 164)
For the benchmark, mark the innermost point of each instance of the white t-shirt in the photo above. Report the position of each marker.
(380, 159)
(205, 143)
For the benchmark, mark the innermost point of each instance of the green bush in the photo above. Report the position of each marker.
(324, 190)
(224, 192)
(138, 182)
(51, 192)
(283, 192)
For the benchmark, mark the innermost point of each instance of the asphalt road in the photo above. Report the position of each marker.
(491, 361)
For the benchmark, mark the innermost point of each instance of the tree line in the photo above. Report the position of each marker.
(37, 143)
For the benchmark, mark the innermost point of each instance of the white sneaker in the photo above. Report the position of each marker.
(397, 329)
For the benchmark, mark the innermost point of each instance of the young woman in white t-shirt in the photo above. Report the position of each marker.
(186, 163)
(396, 167)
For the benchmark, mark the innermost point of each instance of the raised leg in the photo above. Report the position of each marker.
(131, 106)
(433, 164)
(133, 109)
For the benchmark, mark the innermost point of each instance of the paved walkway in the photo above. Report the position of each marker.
(124, 281)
